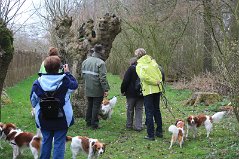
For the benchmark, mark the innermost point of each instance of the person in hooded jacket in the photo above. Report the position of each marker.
(134, 97)
(62, 84)
(96, 84)
(52, 52)
(151, 80)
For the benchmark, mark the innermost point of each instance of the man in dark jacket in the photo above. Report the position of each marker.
(96, 84)
(134, 97)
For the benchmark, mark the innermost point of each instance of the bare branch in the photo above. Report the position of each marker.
(9, 9)
(17, 10)
(24, 22)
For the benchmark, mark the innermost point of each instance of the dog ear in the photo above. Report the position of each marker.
(189, 119)
(196, 119)
(68, 138)
(4, 126)
(104, 146)
(177, 121)
(93, 143)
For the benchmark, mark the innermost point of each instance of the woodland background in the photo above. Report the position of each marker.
(188, 38)
(195, 41)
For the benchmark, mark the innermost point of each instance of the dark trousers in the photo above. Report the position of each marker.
(94, 105)
(152, 112)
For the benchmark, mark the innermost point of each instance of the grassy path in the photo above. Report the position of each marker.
(126, 144)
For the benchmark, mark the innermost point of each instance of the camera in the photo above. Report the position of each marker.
(61, 69)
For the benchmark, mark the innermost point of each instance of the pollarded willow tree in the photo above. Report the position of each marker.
(74, 45)
(8, 11)
(75, 48)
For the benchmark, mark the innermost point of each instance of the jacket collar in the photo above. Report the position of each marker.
(98, 55)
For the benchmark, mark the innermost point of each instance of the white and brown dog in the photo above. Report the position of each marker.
(177, 131)
(19, 139)
(193, 122)
(92, 147)
(107, 108)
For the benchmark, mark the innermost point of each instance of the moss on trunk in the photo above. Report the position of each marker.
(6, 40)
(6, 53)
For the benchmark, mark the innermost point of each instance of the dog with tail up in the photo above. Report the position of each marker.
(193, 122)
(177, 131)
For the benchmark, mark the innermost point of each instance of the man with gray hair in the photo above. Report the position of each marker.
(96, 84)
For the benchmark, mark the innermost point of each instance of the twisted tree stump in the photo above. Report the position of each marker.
(207, 98)
(75, 48)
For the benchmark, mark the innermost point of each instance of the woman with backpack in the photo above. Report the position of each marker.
(50, 96)
(130, 87)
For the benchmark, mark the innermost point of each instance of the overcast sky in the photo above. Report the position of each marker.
(27, 21)
(26, 14)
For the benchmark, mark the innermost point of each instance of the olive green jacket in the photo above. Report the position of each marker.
(94, 74)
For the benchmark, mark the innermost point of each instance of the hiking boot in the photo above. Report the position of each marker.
(129, 128)
(160, 135)
(95, 127)
(88, 124)
(138, 130)
(149, 138)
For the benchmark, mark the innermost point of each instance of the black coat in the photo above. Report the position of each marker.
(128, 84)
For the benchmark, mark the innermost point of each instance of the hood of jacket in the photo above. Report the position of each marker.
(149, 74)
(98, 55)
(50, 82)
(146, 59)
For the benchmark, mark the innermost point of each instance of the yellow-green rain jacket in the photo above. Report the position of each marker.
(149, 73)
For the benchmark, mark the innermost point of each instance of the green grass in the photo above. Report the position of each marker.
(126, 144)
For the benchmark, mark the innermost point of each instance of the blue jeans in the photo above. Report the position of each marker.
(152, 111)
(59, 144)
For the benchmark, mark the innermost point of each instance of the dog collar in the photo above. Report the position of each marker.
(13, 143)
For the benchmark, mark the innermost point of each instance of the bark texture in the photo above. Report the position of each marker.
(6, 54)
(75, 48)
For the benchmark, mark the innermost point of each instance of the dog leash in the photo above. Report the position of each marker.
(13, 143)
(165, 101)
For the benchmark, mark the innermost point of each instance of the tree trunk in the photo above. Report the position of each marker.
(207, 62)
(234, 37)
(231, 58)
(6, 55)
(236, 112)
(75, 48)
